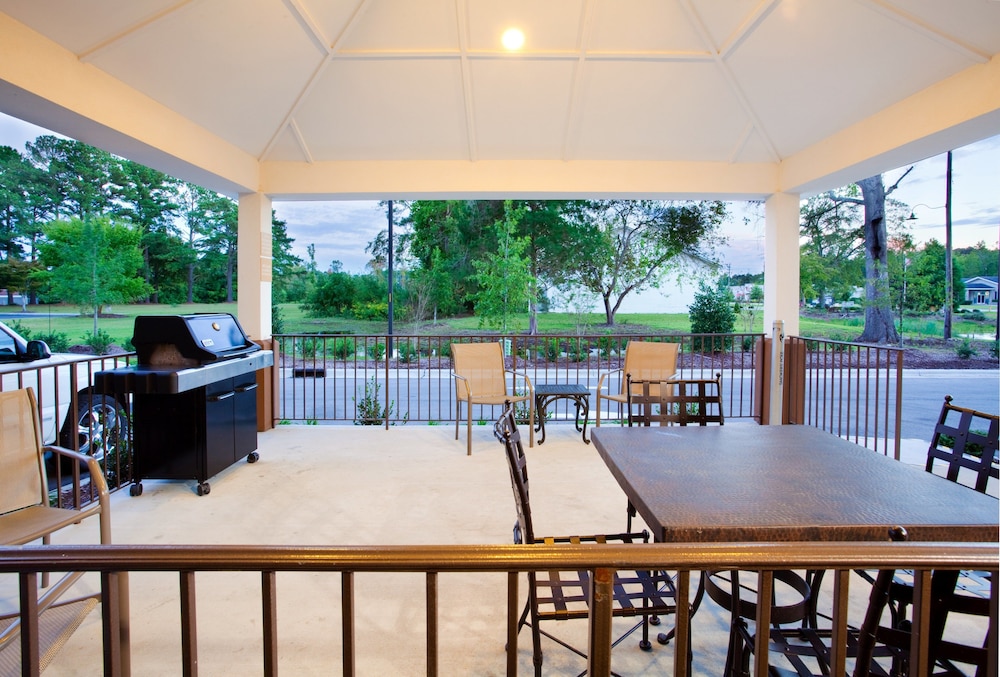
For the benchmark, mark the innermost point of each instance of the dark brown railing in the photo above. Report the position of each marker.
(269, 561)
(849, 389)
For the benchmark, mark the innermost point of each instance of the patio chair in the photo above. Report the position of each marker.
(644, 361)
(565, 595)
(481, 378)
(968, 448)
(25, 511)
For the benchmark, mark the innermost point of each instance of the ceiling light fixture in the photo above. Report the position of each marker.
(513, 39)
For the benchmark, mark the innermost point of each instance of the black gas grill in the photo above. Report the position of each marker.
(194, 400)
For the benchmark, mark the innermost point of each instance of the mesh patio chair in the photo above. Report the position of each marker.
(481, 378)
(25, 511)
(645, 361)
(565, 595)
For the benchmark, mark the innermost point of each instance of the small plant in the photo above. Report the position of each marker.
(343, 348)
(369, 408)
(995, 350)
(98, 341)
(406, 352)
(376, 351)
(59, 342)
(964, 350)
(308, 347)
(552, 349)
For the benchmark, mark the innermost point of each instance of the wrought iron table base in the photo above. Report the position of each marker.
(546, 394)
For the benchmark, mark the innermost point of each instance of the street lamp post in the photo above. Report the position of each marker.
(948, 268)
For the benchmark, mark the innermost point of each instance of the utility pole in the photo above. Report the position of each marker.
(388, 348)
(949, 291)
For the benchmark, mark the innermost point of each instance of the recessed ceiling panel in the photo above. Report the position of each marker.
(386, 109)
(975, 23)
(812, 87)
(725, 21)
(657, 111)
(521, 107)
(430, 25)
(643, 25)
(81, 26)
(231, 66)
(548, 25)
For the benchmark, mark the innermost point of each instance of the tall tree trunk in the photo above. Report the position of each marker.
(190, 283)
(879, 325)
(609, 312)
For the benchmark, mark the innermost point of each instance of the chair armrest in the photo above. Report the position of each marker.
(600, 381)
(93, 467)
(465, 382)
(516, 375)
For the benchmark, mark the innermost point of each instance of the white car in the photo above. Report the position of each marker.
(101, 426)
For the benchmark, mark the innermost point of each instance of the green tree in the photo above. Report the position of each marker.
(626, 246)
(976, 261)
(712, 312)
(925, 288)
(82, 174)
(92, 263)
(506, 285)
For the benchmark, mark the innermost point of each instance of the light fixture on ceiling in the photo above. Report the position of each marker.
(513, 39)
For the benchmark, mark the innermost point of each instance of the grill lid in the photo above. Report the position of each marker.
(175, 340)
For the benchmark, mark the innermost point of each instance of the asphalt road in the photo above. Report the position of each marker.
(924, 391)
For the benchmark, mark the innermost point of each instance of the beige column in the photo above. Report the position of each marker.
(781, 262)
(781, 289)
(254, 257)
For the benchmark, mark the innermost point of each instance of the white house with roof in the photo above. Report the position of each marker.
(981, 289)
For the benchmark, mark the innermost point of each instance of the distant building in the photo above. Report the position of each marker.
(981, 289)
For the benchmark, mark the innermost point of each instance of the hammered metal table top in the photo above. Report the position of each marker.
(749, 483)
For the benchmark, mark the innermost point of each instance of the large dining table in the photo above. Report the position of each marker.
(749, 483)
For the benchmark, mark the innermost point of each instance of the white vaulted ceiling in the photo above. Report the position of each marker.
(397, 98)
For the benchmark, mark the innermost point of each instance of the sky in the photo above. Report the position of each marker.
(340, 230)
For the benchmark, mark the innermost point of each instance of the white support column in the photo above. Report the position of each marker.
(781, 262)
(254, 257)
(781, 288)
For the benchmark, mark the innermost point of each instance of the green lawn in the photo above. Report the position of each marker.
(45, 321)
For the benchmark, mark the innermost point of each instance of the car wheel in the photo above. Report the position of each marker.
(101, 429)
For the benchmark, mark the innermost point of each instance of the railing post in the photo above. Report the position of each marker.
(512, 623)
(601, 603)
(777, 373)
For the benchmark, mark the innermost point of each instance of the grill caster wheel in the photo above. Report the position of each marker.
(252, 457)
(135, 490)
(204, 488)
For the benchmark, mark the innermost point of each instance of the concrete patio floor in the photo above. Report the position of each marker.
(343, 485)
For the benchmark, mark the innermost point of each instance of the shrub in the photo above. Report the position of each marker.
(711, 312)
(976, 316)
(369, 408)
(995, 350)
(964, 349)
(343, 348)
(98, 341)
(406, 352)
(59, 342)
(376, 351)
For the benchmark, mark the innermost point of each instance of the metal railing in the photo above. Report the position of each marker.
(73, 415)
(347, 378)
(851, 390)
(601, 560)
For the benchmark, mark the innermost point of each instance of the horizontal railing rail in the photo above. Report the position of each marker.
(851, 390)
(432, 560)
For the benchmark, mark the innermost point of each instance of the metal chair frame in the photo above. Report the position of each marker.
(564, 595)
